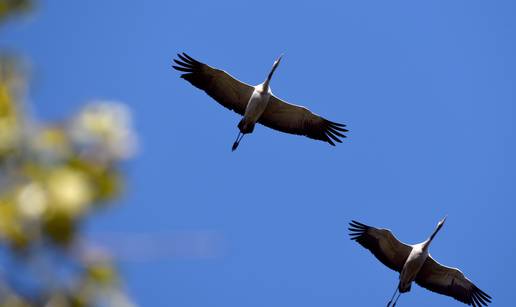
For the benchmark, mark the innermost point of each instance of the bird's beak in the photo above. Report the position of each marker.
(443, 220)
(279, 59)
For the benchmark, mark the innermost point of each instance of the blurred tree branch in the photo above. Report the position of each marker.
(12, 7)
(53, 176)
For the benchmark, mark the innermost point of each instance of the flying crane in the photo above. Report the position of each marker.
(257, 104)
(414, 263)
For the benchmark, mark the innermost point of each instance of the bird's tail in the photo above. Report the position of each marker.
(246, 126)
(404, 287)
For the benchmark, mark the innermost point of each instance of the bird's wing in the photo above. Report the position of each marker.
(382, 243)
(451, 282)
(289, 118)
(220, 85)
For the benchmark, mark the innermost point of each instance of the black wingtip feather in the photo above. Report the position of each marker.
(187, 62)
(336, 132)
(337, 127)
(327, 139)
(481, 296)
(330, 134)
(483, 293)
(184, 64)
(191, 59)
(179, 55)
(337, 124)
(356, 229)
(181, 69)
(359, 224)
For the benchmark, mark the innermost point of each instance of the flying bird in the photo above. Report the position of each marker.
(414, 263)
(257, 103)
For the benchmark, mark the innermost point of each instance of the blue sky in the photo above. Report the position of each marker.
(427, 89)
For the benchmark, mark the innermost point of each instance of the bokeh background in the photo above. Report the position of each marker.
(426, 88)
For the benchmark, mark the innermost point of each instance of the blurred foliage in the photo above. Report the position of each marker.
(10, 7)
(53, 176)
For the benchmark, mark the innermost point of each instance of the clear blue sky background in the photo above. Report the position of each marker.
(427, 89)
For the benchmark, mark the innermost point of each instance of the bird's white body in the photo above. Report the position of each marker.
(257, 104)
(413, 265)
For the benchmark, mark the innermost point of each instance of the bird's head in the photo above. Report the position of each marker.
(441, 222)
(439, 225)
(278, 60)
(426, 244)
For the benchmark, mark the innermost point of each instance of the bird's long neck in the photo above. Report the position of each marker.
(269, 77)
(426, 244)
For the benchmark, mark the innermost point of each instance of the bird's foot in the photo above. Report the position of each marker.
(235, 145)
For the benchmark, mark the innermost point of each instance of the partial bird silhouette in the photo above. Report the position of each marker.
(415, 264)
(257, 103)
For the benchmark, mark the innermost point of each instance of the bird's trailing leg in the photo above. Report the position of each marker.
(392, 298)
(399, 294)
(239, 137)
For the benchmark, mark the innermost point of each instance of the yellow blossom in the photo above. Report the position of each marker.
(69, 191)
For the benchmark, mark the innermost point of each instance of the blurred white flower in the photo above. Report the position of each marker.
(116, 298)
(50, 143)
(106, 127)
(70, 191)
(32, 201)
